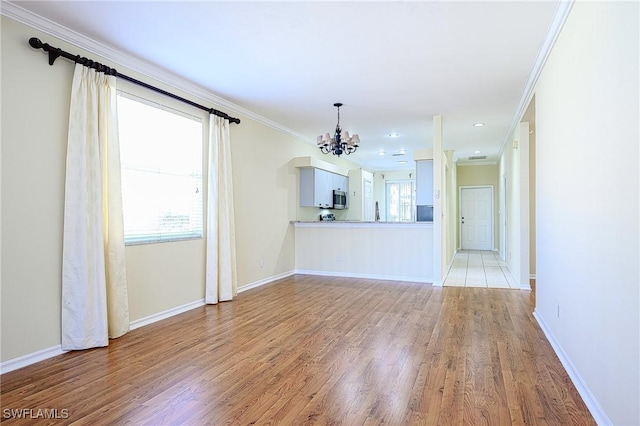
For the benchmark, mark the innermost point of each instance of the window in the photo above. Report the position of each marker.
(401, 201)
(161, 154)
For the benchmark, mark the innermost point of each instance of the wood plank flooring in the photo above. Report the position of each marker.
(310, 350)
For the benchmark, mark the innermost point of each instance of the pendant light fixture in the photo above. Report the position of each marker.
(340, 143)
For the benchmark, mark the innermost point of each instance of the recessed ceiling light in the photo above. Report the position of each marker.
(476, 152)
(393, 135)
(402, 161)
(478, 125)
(381, 153)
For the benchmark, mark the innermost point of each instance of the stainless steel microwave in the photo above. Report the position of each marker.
(339, 200)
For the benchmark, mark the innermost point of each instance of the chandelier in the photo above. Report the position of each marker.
(338, 144)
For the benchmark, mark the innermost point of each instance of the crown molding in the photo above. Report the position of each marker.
(560, 17)
(32, 20)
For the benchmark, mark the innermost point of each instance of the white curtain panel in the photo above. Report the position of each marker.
(95, 303)
(221, 275)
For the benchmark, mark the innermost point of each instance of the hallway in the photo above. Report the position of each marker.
(478, 268)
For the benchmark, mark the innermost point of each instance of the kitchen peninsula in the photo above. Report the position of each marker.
(399, 251)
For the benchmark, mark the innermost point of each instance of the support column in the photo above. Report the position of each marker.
(438, 266)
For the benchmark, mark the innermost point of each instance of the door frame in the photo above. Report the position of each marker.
(364, 204)
(503, 220)
(460, 188)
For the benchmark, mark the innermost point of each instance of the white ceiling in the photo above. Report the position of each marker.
(392, 64)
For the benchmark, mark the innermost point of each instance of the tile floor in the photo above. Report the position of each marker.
(477, 268)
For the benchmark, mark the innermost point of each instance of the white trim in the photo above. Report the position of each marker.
(32, 358)
(562, 12)
(265, 281)
(165, 314)
(590, 401)
(133, 63)
(366, 276)
(532, 276)
(502, 218)
(41, 355)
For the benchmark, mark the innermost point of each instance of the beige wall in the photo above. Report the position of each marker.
(587, 203)
(356, 209)
(35, 105)
(474, 176)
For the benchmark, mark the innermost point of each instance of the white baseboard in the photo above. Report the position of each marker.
(41, 355)
(590, 401)
(366, 276)
(165, 314)
(265, 281)
(32, 358)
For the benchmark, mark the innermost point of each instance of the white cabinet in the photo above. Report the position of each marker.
(317, 186)
(339, 182)
(424, 182)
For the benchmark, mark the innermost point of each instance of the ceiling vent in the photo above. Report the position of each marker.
(398, 154)
(478, 157)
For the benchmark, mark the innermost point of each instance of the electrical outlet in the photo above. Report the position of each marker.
(262, 263)
(339, 258)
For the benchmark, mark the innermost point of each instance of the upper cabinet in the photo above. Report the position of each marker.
(339, 182)
(317, 186)
(424, 182)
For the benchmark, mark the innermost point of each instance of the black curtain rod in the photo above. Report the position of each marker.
(55, 53)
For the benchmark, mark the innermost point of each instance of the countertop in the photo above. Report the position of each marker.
(357, 223)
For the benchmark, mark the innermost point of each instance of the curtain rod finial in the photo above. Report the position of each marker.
(35, 42)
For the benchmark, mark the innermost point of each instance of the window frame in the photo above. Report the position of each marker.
(387, 184)
(169, 105)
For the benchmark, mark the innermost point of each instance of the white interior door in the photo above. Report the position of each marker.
(367, 200)
(476, 218)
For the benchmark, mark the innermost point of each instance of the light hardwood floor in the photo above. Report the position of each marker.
(312, 350)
